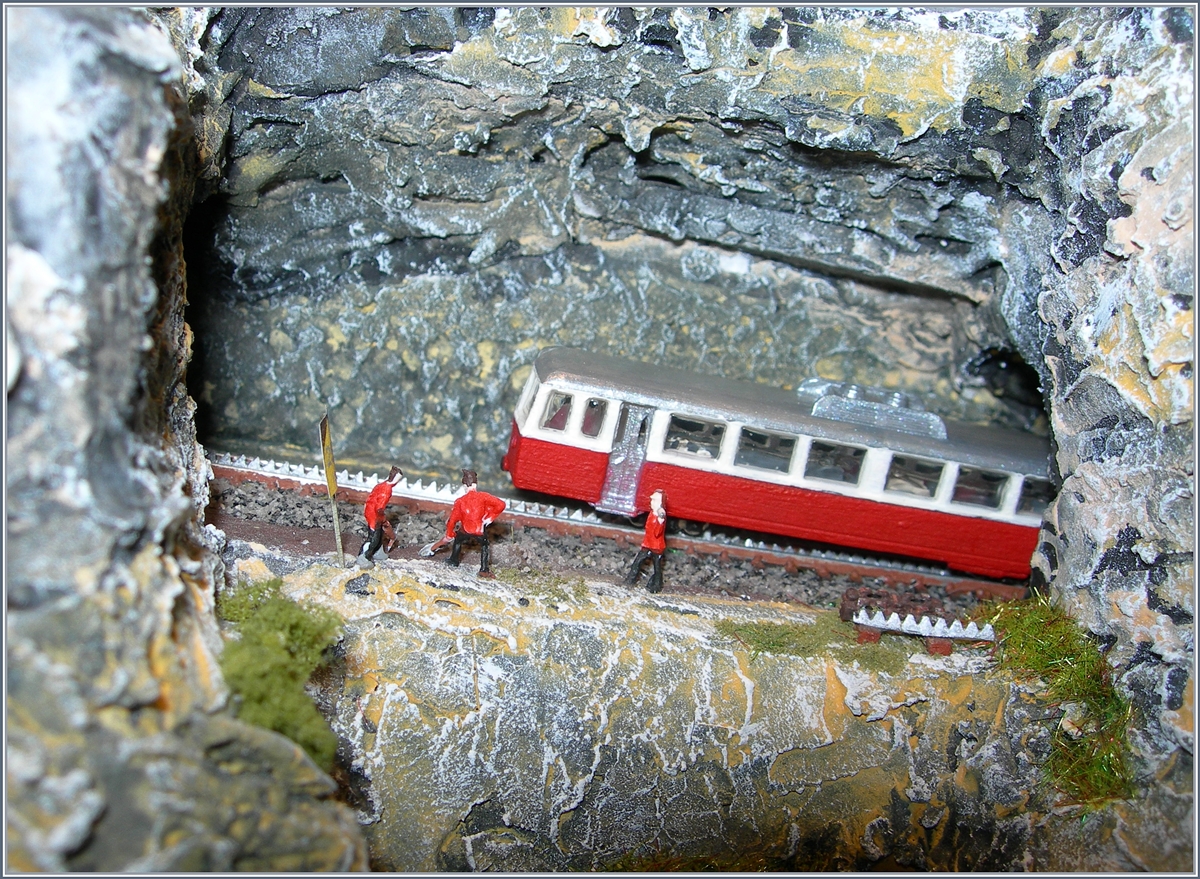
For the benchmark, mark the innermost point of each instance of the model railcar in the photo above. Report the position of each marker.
(830, 462)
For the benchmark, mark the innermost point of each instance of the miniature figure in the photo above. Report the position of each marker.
(469, 521)
(377, 521)
(654, 544)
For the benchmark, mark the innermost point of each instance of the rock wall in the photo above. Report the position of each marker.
(120, 755)
(394, 208)
(542, 725)
(412, 202)
(1119, 546)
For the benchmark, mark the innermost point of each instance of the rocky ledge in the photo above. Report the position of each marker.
(553, 723)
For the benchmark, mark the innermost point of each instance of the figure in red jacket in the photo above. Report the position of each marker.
(375, 512)
(654, 544)
(468, 521)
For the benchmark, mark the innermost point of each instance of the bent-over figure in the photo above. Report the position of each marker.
(469, 520)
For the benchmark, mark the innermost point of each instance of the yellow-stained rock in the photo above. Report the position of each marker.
(515, 737)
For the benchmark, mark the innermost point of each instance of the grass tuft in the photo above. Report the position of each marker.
(826, 635)
(1037, 638)
(790, 639)
(546, 585)
(281, 644)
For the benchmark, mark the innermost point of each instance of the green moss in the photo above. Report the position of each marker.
(546, 585)
(281, 643)
(1038, 639)
(827, 635)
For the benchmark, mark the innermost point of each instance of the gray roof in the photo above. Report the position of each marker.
(714, 397)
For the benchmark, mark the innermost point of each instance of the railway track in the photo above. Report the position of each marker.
(570, 519)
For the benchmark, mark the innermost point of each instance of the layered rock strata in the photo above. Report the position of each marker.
(551, 723)
(121, 754)
(400, 222)
(392, 210)
(401, 219)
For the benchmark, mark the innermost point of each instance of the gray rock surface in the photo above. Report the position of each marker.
(643, 181)
(548, 723)
(755, 193)
(1119, 546)
(388, 212)
(120, 755)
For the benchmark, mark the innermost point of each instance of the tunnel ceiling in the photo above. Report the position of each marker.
(398, 207)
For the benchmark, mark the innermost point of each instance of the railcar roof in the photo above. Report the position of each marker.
(699, 395)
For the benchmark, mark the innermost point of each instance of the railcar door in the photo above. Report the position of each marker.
(625, 461)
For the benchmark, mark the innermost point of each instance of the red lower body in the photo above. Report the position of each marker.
(552, 468)
(965, 543)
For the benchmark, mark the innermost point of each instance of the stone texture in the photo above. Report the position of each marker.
(759, 193)
(393, 208)
(499, 725)
(1120, 540)
(119, 756)
(716, 192)
(755, 192)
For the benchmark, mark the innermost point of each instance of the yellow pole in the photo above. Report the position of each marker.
(331, 482)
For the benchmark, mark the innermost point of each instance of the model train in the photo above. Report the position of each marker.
(830, 462)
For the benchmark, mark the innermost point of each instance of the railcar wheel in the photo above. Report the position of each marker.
(692, 529)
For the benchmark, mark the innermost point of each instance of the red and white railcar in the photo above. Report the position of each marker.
(829, 462)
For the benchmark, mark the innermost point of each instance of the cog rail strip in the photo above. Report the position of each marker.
(564, 519)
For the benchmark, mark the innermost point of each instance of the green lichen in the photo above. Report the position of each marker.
(546, 585)
(827, 635)
(1089, 762)
(281, 643)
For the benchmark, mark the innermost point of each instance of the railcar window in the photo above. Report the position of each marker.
(558, 410)
(1036, 495)
(913, 476)
(834, 462)
(694, 437)
(593, 416)
(979, 488)
(766, 451)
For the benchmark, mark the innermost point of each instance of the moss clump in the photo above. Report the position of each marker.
(792, 639)
(281, 643)
(1039, 639)
(546, 585)
(827, 635)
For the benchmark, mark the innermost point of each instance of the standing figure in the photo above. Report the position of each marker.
(469, 520)
(377, 521)
(654, 544)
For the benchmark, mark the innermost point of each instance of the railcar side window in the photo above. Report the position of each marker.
(1036, 495)
(834, 462)
(979, 488)
(694, 437)
(593, 416)
(558, 410)
(766, 451)
(913, 476)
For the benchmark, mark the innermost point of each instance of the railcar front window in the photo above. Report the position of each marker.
(1036, 495)
(692, 436)
(913, 476)
(593, 416)
(979, 488)
(558, 410)
(765, 451)
(834, 462)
